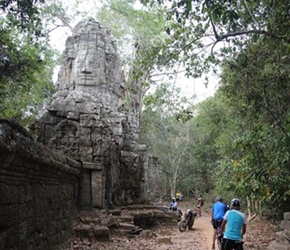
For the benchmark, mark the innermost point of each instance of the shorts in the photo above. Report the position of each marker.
(216, 223)
(228, 244)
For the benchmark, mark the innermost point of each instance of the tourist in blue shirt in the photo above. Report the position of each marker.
(218, 211)
(235, 224)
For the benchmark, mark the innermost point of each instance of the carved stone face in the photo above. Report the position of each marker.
(88, 69)
(90, 58)
(91, 64)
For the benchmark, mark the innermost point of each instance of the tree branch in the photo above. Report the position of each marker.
(262, 32)
(57, 26)
(247, 7)
(217, 37)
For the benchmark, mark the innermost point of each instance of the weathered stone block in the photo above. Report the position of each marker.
(164, 240)
(127, 226)
(286, 216)
(85, 133)
(287, 234)
(83, 232)
(101, 233)
(89, 120)
(85, 143)
(93, 166)
(62, 113)
(285, 224)
(86, 151)
(97, 189)
(73, 115)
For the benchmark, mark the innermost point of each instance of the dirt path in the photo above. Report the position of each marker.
(158, 239)
(203, 224)
(260, 232)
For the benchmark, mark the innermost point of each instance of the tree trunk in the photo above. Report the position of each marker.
(249, 207)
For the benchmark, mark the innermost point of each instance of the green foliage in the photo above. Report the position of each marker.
(139, 32)
(255, 86)
(23, 14)
(138, 28)
(168, 137)
(195, 28)
(25, 61)
(250, 152)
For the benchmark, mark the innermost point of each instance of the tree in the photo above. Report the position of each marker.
(19, 16)
(26, 60)
(256, 85)
(139, 33)
(203, 32)
(166, 130)
(250, 41)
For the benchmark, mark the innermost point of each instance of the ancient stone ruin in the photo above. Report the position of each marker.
(38, 189)
(81, 154)
(87, 122)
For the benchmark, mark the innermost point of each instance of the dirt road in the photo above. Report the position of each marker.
(203, 224)
(158, 239)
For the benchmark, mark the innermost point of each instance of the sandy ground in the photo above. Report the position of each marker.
(203, 224)
(162, 239)
(259, 233)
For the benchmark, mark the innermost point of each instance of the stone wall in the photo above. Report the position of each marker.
(38, 192)
(87, 153)
(282, 238)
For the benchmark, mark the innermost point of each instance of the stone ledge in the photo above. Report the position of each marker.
(13, 142)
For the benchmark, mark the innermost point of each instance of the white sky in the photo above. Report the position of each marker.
(189, 86)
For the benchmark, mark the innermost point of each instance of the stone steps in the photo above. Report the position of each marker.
(123, 222)
(126, 218)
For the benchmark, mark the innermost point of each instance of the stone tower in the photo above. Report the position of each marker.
(85, 120)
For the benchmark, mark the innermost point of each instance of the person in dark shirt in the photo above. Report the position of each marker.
(173, 204)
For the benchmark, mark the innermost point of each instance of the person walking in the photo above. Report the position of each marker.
(177, 196)
(181, 197)
(199, 205)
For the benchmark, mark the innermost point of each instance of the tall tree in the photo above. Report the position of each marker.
(166, 130)
(256, 85)
(25, 59)
(139, 33)
(203, 32)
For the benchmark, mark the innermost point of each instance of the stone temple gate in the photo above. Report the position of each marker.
(86, 121)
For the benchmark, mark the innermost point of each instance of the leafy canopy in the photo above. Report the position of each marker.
(26, 59)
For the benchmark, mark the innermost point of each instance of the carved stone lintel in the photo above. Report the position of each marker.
(94, 166)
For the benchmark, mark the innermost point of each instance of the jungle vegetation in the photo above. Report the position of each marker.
(235, 143)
